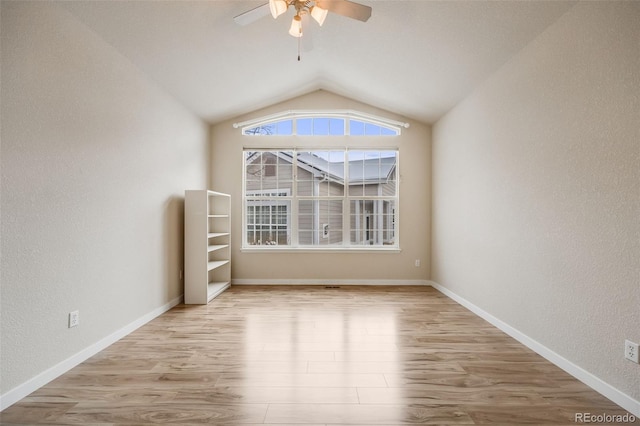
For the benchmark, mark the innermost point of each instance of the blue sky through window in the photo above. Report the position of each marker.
(321, 126)
(285, 127)
(336, 126)
(356, 128)
(304, 126)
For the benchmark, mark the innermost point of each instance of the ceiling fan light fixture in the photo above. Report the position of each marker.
(296, 26)
(277, 7)
(319, 14)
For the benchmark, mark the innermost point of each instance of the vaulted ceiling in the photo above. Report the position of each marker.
(415, 58)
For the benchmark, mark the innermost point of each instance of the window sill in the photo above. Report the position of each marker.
(277, 249)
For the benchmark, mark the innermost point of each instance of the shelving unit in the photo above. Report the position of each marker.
(207, 245)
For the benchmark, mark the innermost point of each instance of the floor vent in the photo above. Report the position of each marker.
(332, 286)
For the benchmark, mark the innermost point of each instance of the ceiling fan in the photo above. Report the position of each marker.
(317, 9)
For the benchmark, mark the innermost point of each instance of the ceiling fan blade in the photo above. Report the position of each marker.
(347, 8)
(252, 15)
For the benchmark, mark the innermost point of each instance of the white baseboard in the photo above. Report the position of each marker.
(20, 391)
(597, 384)
(287, 281)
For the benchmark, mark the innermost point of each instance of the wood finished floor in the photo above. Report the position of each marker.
(314, 356)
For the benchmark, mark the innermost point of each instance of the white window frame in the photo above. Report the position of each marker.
(283, 199)
(346, 114)
(292, 199)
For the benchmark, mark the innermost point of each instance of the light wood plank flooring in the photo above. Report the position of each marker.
(315, 356)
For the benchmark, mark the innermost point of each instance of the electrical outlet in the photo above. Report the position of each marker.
(417, 263)
(74, 318)
(631, 351)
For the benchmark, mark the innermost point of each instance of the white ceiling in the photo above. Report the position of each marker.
(415, 58)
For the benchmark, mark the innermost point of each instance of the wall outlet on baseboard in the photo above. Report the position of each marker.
(631, 351)
(74, 318)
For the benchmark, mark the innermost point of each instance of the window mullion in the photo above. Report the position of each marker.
(346, 203)
(294, 197)
(245, 221)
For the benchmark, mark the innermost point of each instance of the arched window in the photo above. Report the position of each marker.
(321, 123)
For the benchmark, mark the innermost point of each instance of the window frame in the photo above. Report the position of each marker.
(347, 115)
(255, 199)
(388, 203)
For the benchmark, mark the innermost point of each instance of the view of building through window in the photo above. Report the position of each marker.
(323, 198)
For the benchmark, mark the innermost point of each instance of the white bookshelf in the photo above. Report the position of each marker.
(207, 245)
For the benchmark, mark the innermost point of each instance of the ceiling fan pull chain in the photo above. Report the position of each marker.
(299, 48)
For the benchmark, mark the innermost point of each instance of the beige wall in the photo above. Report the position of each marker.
(95, 159)
(536, 192)
(415, 182)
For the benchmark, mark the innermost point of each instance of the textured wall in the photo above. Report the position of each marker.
(415, 181)
(95, 159)
(536, 191)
